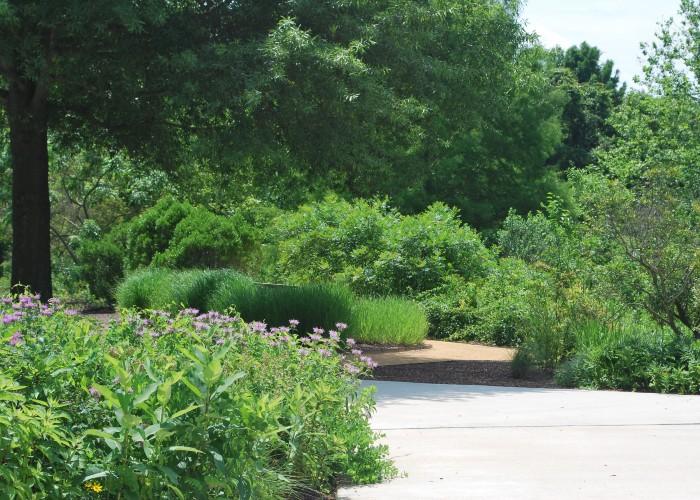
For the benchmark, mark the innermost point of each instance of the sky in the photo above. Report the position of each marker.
(617, 27)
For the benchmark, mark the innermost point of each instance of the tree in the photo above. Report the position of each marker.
(304, 94)
(144, 76)
(593, 91)
(641, 195)
(88, 72)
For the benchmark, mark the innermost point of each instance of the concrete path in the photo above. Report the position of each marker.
(479, 442)
(431, 351)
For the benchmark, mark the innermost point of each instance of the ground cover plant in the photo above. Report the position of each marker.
(183, 405)
(373, 320)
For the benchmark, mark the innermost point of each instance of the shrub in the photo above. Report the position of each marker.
(178, 235)
(632, 355)
(159, 405)
(203, 239)
(101, 267)
(376, 250)
(329, 240)
(423, 251)
(450, 308)
(503, 301)
(150, 233)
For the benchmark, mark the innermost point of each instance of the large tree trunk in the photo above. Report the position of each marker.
(31, 250)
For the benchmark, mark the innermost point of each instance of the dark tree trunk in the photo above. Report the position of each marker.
(31, 250)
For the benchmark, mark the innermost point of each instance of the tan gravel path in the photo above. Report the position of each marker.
(433, 351)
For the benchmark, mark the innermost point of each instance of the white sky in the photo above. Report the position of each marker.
(616, 27)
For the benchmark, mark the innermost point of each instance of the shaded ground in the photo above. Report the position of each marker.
(474, 372)
(438, 362)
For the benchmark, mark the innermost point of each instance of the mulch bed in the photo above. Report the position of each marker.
(462, 373)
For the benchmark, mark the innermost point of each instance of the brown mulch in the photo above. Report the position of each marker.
(462, 373)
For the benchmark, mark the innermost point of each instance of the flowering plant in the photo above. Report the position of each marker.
(153, 403)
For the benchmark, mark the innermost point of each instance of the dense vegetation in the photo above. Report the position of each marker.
(387, 320)
(185, 405)
(400, 166)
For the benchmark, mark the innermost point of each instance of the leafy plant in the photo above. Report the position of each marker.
(158, 405)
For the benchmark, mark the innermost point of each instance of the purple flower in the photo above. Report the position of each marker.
(16, 338)
(315, 337)
(368, 361)
(6, 300)
(356, 352)
(304, 351)
(351, 369)
(294, 323)
(325, 353)
(350, 342)
(318, 331)
(341, 326)
(258, 326)
(55, 301)
(8, 318)
(220, 341)
(334, 335)
(199, 326)
(94, 393)
(71, 312)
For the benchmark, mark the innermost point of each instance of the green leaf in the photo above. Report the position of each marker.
(185, 411)
(147, 392)
(227, 383)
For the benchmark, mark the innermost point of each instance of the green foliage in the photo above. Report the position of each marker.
(593, 94)
(629, 357)
(450, 308)
(313, 305)
(502, 301)
(176, 234)
(159, 405)
(374, 249)
(398, 320)
(101, 267)
(150, 233)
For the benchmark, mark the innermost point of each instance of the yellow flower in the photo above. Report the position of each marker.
(94, 486)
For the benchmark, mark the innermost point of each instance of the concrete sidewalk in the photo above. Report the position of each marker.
(479, 442)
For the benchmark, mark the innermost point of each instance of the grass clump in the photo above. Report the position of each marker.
(377, 320)
(400, 321)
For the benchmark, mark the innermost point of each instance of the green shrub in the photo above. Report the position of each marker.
(203, 239)
(424, 251)
(101, 267)
(632, 355)
(178, 235)
(450, 308)
(503, 301)
(376, 250)
(330, 240)
(150, 233)
(177, 406)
